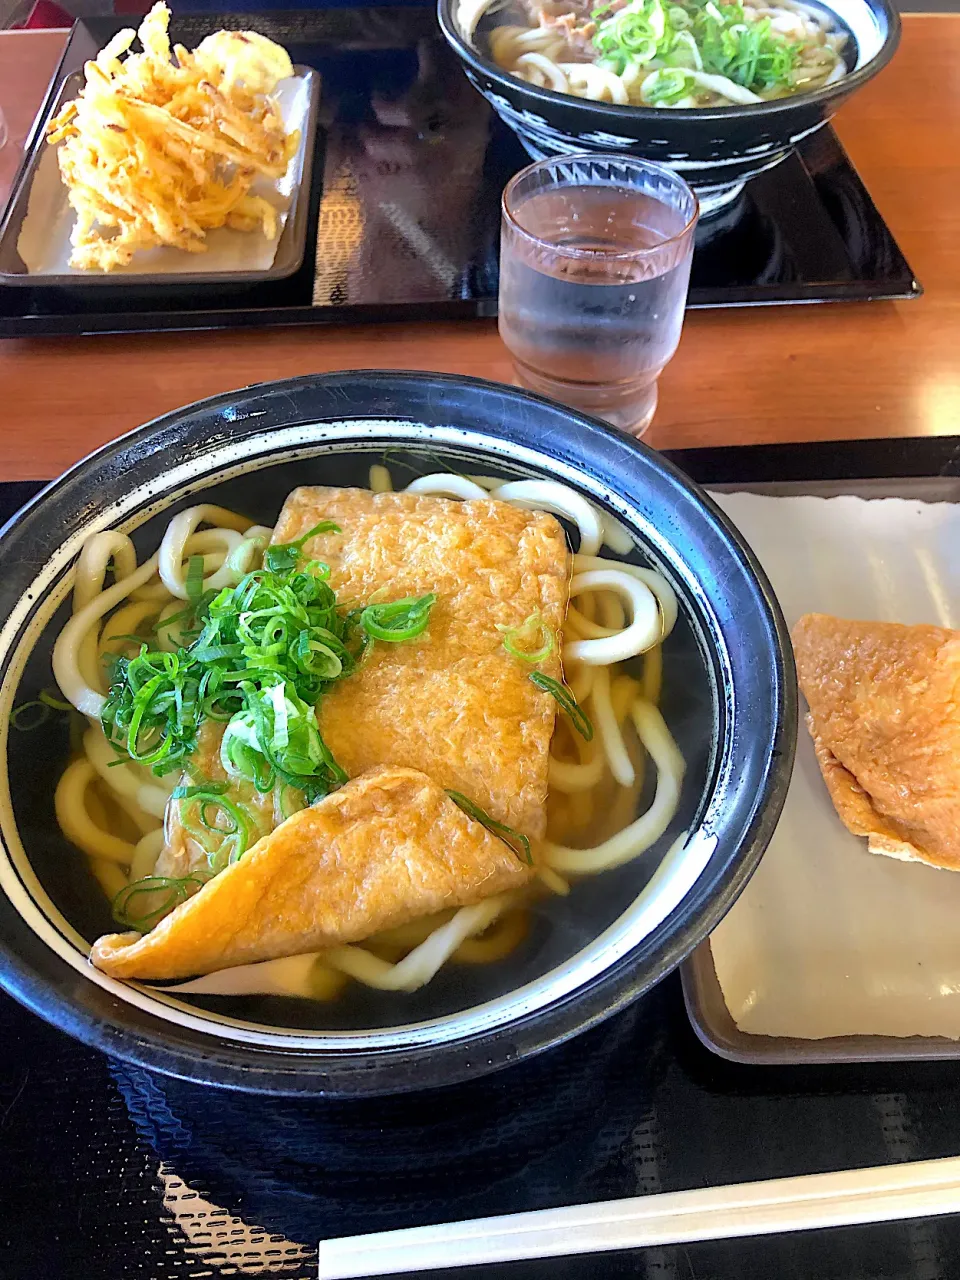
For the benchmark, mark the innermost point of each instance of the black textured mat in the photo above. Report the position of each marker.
(110, 1172)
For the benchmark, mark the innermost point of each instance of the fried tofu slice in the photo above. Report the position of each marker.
(387, 848)
(182, 854)
(884, 704)
(452, 702)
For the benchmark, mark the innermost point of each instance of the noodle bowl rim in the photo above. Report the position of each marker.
(674, 878)
(864, 70)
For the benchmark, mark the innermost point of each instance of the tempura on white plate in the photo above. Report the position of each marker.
(163, 146)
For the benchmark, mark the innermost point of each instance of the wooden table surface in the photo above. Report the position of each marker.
(27, 61)
(783, 373)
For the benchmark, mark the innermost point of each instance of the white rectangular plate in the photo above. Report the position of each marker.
(43, 236)
(829, 942)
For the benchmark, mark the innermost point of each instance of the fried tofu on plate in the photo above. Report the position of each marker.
(884, 715)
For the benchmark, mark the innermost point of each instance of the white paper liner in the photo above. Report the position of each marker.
(828, 939)
(44, 239)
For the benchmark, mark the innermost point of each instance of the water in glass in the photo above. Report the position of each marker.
(593, 282)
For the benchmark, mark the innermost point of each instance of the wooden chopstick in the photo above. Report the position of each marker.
(853, 1196)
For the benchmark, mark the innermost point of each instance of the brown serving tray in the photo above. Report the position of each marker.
(291, 246)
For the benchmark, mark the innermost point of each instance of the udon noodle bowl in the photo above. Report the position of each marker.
(653, 53)
(366, 742)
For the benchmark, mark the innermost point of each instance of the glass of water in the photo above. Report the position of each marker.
(594, 265)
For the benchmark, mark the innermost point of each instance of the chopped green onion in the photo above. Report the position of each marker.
(413, 462)
(277, 736)
(281, 559)
(291, 800)
(262, 655)
(715, 38)
(229, 821)
(580, 719)
(239, 825)
(234, 825)
(400, 620)
(270, 629)
(541, 631)
(180, 616)
(203, 789)
(31, 715)
(194, 582)
(666, 85)
(286, 555)
(176, 889)
(518, 842)
(50, 699)
(321, 658)
(129, 637)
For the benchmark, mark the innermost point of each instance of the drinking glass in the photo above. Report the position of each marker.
(595, 257)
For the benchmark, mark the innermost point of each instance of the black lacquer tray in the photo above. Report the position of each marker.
(404, 207)
(111, 1172)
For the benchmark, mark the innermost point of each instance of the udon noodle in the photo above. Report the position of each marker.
(654, 53)
(113, 808)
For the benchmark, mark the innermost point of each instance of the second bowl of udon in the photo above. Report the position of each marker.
(719, 92)
(371, 731)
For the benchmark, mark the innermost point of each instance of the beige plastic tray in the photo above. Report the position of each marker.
(858, 954)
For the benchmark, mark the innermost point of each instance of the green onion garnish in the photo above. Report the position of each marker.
(225, 819)
(533, 629)
(415, 464)
(276, 737)
(261, 656)
(194, 582)
(286, 555)
(689, 36)
(580, 719)
(291, 801)
(210, 812)
(514, 839)
(202, 789)
(135, 905)
(400, 620)
(31, 715)
(50, 699)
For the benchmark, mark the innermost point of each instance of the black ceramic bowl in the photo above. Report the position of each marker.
(716, 150)
(729, 698)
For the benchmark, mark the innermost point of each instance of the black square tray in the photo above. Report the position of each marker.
(404, 214)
